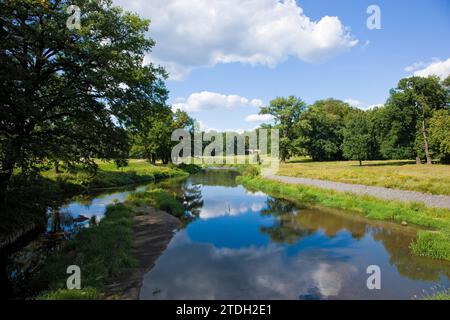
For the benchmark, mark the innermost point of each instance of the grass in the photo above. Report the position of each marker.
(159, 199)
(444, 295)
(433, 244)
(103, 250)
(99, 251)
(109, 176)
(404, 175)
(64, 294)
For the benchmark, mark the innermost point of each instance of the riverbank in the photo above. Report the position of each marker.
(114, 255)
(153, 229)
(433, 243)
(30, 199)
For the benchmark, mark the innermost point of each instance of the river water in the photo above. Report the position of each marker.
(245, 244)
(248, 245)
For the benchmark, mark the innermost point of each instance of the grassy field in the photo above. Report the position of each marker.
(109, 176)
(404, 175)
(434, 243)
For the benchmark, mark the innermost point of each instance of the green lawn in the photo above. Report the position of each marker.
(399, 174)
(109, 176)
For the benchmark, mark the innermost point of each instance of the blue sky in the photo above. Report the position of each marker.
(224, 73)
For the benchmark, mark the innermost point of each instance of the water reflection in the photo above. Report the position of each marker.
(251, 246)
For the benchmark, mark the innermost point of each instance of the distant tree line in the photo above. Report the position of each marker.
(413, 124)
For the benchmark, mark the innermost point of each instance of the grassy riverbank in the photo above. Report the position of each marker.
(31, 196)
(434, 243)
(109, 176)
(102, 251)
(401, 174)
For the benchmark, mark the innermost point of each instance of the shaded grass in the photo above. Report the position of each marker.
(397, 174)
(434, 244)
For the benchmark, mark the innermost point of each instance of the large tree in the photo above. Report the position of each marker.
(358, 139)
(320, 129)
(408, 111)
(69, 93)
(286, 113)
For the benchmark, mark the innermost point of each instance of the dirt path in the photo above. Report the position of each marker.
(436, 201)
(153, 230)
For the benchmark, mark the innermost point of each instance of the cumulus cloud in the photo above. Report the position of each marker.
(259, 118)
(206, 101)
(437, 68)
(204, 33)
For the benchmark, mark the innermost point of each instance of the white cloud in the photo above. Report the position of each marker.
(354, 103)
(437, 68)
(206, 101)
(361, 105)
(259, 118)
(203, 33)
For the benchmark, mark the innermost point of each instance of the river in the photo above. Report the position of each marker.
(245, 244)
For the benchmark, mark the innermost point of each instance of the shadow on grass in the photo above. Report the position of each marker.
(386, 164)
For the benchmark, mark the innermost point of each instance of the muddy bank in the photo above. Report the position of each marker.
(153, 229)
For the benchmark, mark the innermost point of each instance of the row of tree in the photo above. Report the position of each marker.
(413, 124)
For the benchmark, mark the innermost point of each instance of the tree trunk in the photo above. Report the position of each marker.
(425, 143)
(360, 163)
(418, 161)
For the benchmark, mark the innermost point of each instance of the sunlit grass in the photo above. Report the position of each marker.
(109, 176)
(399, 174)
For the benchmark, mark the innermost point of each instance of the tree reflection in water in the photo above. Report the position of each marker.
(294, 223)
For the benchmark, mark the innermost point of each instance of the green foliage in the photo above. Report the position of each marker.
(358, 142)
(64, 294)
(189, 168)
(321, 129)
(440, 135)
(152, 139)
(62, 88)
(286, 113)
(406, 116)
(159, 199)
(250, 170)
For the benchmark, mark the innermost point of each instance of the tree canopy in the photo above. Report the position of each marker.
(71, 94)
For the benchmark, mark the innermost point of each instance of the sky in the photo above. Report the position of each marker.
(228, 58)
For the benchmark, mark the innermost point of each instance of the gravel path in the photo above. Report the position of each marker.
(437, 201)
